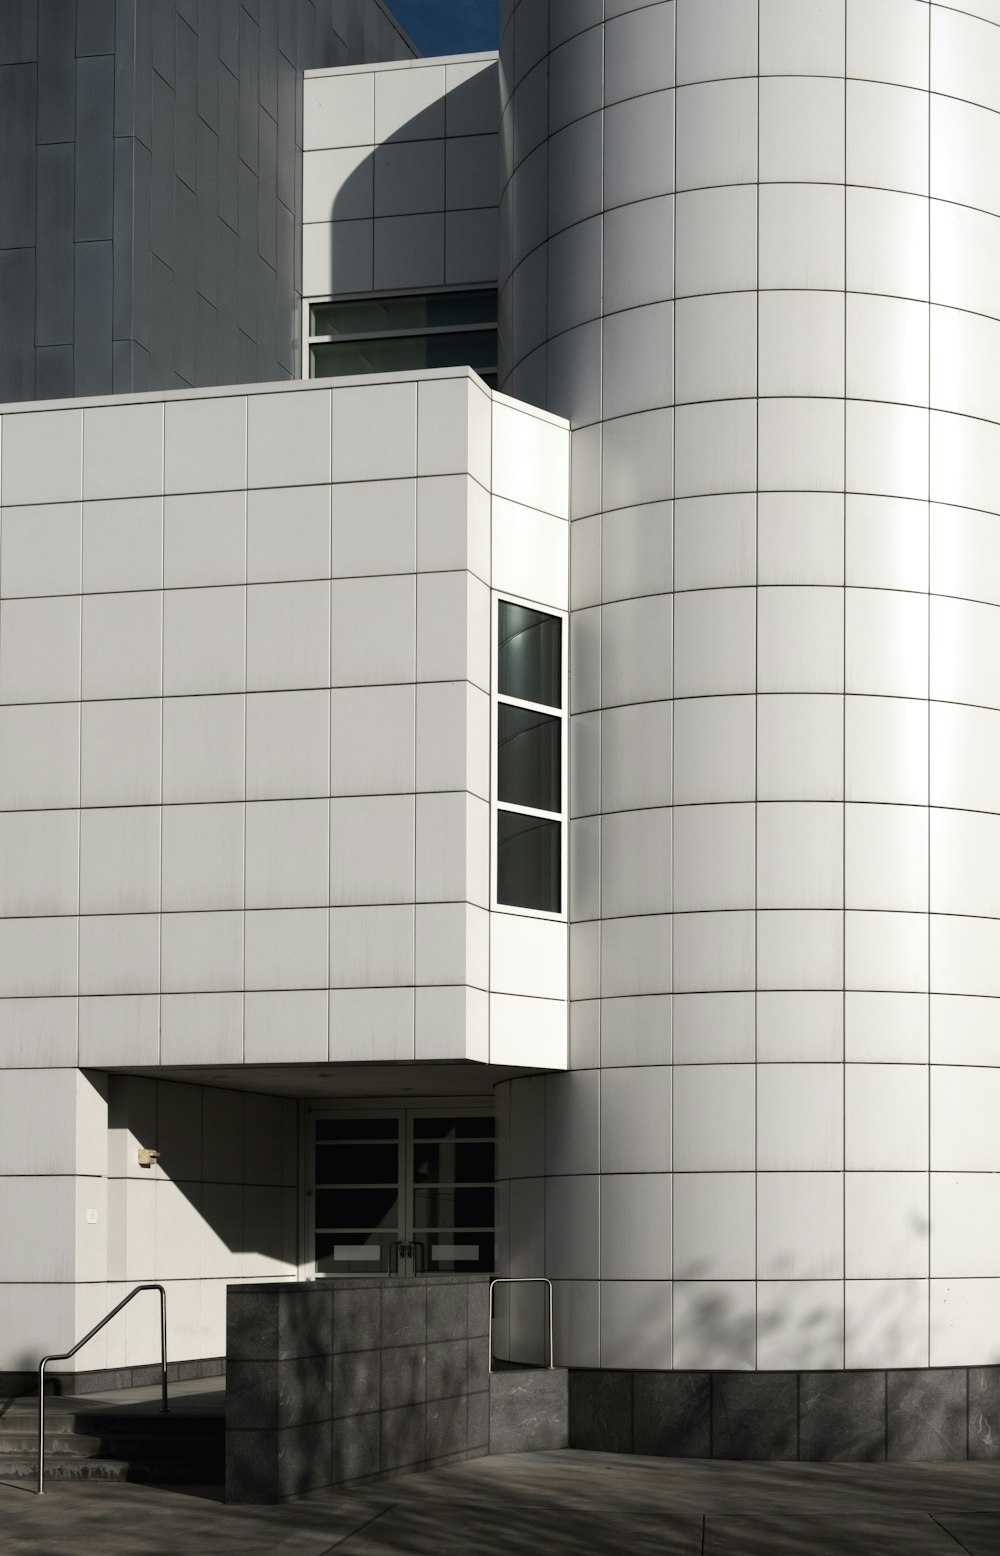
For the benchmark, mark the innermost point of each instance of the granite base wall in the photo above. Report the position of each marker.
(941, 1413)
(103, 1380)
(336, 1383)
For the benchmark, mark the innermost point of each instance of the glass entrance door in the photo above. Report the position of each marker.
(356, 1198)
(401, 1192)
(450, 1192)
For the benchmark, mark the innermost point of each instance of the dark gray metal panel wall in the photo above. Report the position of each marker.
(206, 74)
(151, 167)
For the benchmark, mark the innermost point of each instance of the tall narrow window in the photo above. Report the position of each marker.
(529, 759)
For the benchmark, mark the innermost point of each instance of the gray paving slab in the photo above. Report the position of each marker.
(540, 1504)
(179, 1521)
(978, 1534)
(878, 1534)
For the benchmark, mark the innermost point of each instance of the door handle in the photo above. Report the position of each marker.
(400, 1250)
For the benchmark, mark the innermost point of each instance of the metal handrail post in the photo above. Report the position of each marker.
(41, 1425)
(65, 1356)
(551, 1333)
(520, 1280)
(163, 1351)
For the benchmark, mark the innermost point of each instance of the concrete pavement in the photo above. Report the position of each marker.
(538, 1504)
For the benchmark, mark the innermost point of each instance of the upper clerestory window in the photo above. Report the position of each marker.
(400, 333)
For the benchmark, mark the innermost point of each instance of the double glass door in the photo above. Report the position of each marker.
(401, 1192)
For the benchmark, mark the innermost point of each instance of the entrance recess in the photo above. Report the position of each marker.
(402, 1191)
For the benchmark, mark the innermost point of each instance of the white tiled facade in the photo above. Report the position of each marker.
(747, 254)
(762, 290)
(400, 170)
(245, 649)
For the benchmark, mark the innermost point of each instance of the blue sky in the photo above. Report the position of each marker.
(448, 26)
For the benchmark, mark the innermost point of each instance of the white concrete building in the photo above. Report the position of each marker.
(608, 752)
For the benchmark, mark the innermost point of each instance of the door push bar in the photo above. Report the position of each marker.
(414, 1250)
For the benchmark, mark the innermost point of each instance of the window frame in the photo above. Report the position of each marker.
(562, 713)
(359, 337)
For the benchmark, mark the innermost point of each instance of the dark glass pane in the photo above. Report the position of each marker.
(453, 1163)
(384, 315)
(354, 1253)
(474, 1252)
(530, 657)
(453, 1128)
(528, 862)
(357, 1129)
(357, 1163)
(397, 353)
(362, 1208)
(529, 758)
(449, 1208)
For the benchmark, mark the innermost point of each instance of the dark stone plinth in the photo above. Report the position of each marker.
(600, 1411)
(404, 1375)
(304, 1454)
(251, 1326)
(252, 1396)
(404, 1314)
(277, 1326)
(754, 1415)
(304, 1324)
(356, 1383)
(842, 1416)
(342, 1382)
(529, 1410)
(479, 1363)
(355, 1449)
(984, 1412)
(251, 1465)
(305, 1391)
(335, 1383)
(479, 1422)
(447, 1427)
(447, 1312)
(927, 1414)
(935, 1414)
(270, 1394)
(357, 1318)
(478, 1293)
(404, 1437)
(672, 1414)
(447, 1368)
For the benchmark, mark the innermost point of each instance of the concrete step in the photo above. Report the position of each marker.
(154, 1460)
(62, 1466)
(174, 1425)
(70, 1444)
(118, 1439)
(19, 1419)
(109, 1443)
(161, 1472)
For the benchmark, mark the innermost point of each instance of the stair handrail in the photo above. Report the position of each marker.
(519, 1280)
(65, 1356)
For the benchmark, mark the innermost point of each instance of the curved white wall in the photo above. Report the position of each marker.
(753, 251)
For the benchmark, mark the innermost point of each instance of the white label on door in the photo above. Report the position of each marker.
(455, 1251)
(367, 1255)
